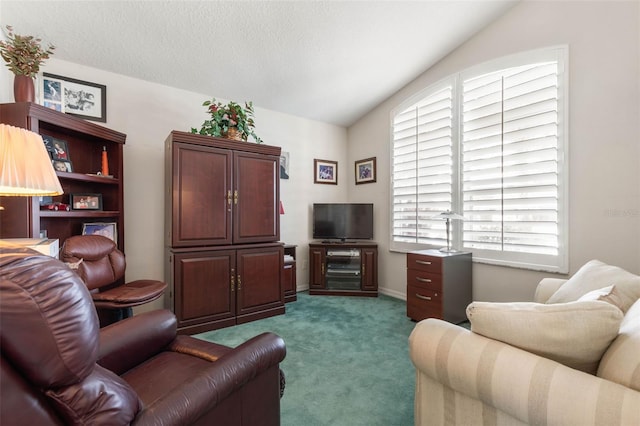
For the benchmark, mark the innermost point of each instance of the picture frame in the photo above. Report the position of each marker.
(57, 148)
(51, 91)
(284, 165)
(106, 229)
(62, 166)
(76, 97)
(365, 170)
(86, 201)
(325, 171)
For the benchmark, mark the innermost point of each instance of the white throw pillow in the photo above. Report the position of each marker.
(608, 294)
(575, 334)
(595, 275)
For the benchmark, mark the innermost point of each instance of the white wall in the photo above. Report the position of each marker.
(604, 135)
(146, 112)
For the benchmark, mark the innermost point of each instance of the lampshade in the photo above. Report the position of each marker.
(448, 214)
(25, 166)
(281, 207)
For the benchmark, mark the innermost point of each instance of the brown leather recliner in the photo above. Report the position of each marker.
(102, 266)
(57, 367)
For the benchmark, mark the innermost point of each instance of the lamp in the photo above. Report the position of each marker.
(448, 215)
(25, 166)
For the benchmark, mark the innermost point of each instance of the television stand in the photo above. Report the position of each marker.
(348, 268)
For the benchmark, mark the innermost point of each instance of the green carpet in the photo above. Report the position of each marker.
(347, 360)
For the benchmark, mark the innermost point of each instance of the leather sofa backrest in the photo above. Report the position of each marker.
(101, 264)
(20, 400)
(49, 326)
(49, 334)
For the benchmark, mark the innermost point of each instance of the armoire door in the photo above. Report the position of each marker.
(201, 196)
(256, 198)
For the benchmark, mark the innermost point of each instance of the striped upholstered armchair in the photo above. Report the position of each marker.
(569, 358)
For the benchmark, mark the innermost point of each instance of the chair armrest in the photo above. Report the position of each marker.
(546, 287)
(189, 401)
(530, 388)
(127, 343)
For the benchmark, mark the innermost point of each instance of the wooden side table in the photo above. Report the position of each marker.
(438, 285)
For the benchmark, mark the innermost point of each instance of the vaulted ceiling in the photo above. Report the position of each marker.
(331, 61)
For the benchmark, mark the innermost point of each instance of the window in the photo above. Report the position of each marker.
(488, 143)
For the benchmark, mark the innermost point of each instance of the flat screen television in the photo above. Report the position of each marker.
(342, 221)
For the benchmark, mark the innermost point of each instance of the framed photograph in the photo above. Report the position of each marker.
(284, 165)
(51, 93)
(62, 166)
(57, 148)
(325, 171)
(86, 201)
(80, 98)
(366, 170)
(106, 229)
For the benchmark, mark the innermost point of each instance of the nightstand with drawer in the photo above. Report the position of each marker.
(438, 285)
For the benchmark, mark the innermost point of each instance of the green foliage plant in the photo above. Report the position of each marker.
(24, 54)
(226, 116)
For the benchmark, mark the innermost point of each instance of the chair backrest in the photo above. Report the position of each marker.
(50, 335)
(101, 264)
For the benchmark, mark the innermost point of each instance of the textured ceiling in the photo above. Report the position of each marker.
(331, 61)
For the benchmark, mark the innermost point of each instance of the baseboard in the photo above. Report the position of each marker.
(392, 293)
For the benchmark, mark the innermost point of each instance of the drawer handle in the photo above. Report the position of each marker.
(424, 280)
(419, 296)
(423, 262)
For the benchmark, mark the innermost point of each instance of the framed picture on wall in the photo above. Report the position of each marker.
(326, 171)
(284, 165)
(76, 97)
(366, 170)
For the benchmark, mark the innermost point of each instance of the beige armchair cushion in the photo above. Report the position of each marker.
(594, 275)
(620, 363)
(575, 334)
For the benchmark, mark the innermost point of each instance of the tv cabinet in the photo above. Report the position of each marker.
(343, 268)
(224, 263)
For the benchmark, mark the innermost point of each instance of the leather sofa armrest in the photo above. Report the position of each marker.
(187, 402)
(127, 343)
(546, 287)
(530, 388)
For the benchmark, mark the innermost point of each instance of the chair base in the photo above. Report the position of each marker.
(110, 316)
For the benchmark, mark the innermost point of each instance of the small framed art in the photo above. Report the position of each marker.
(284, 165)
(80, 98)
(57, 148)
(86, 201)
(62, 166)
(365, 170)
(106, 229)
(325, 171)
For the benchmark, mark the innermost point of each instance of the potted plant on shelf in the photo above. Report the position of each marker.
(24, 55)
(230, 121)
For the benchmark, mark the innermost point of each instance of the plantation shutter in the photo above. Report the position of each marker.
(422, 168)
(490, 144)
(510, 161)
